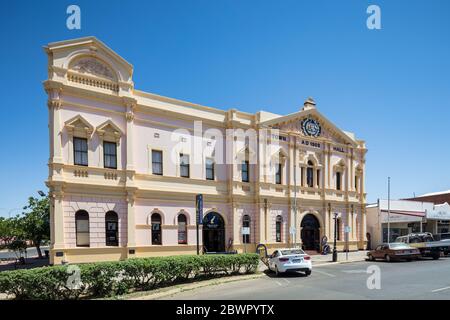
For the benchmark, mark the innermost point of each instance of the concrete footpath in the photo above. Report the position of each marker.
(342, 257)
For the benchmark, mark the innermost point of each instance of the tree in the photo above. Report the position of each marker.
(34, 224)
(8, 230)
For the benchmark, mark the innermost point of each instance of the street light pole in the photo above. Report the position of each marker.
(335, 238)
(295, 192)
(295, 205)
(389, 211)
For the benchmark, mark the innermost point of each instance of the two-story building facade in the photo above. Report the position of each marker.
(125, 167)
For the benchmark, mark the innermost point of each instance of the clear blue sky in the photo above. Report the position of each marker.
(391, 87)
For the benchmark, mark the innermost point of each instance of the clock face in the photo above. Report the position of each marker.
(311, 127)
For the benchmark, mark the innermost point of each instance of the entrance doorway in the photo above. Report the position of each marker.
(310, 233)
(213, 233)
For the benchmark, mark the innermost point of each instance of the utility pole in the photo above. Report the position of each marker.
(199, 218)
(295, 204)
(295, 192)
(389, 211)
(335, 254)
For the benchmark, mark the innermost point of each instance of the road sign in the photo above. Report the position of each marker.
(292, 230)
(199, 217)
(245, 230)
(347, 229)
(199, 208)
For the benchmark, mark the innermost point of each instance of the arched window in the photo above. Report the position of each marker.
(82, 228)
(156, 228)
(246, 224)
(182, 229)
(278, 225)
(112, 229)
(310, 174)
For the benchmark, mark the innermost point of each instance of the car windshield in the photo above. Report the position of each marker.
(293, 251)
(398, 246)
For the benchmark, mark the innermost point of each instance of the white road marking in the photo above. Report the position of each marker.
(325, 273)
(440, 289)
(286, 280)
(278, 283)
(354, 271)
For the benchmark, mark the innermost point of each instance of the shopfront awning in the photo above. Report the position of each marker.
(440, 212)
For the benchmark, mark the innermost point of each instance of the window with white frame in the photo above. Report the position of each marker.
(184, 165)
(80, 151)
(109, 155)
(157, 162)
(209, 167)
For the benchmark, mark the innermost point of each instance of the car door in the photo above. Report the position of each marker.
(378, 252)
(272, 260)
(385, 251)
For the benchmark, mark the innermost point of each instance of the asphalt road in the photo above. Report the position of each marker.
(423, 279)
(31, 252)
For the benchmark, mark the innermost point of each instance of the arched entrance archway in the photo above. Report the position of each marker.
(310, 232)
(213, 233)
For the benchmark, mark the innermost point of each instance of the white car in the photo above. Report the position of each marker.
(291, 259)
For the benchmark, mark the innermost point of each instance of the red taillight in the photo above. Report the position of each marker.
(307, 257)
(283, 259)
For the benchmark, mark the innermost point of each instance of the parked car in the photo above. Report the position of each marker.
(394, 251)
(293, 259)
(426, 243)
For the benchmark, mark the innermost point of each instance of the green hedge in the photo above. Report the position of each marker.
(106, 279)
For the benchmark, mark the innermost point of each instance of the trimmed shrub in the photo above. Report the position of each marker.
(105, 279)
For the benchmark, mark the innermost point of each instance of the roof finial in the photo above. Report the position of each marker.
(309, 104)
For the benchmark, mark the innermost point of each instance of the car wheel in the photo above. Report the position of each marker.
(387, 258)
(277, 273)
(371, 258)
(436, 256)
(308, 272)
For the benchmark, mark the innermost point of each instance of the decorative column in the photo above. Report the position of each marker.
(54, 90)
(130, 105)
(328, 153)
(262, 222)
(236, 225)
(131, 223)
(57, 219)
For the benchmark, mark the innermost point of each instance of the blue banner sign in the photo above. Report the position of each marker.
(199, 208)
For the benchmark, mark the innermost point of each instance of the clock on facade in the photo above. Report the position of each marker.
(311, 127)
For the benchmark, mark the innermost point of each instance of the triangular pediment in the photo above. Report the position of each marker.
(89, 56)
(79, 122)
(109, 130)
(318, 126)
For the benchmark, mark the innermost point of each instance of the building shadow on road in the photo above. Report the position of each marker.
(272, 274)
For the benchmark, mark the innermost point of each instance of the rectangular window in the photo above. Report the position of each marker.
(318, 178)
(157, 162)
(110, 155)
(209, 169)
(184, 165)
(80, 151)
(302, 176)
(245, 173)
(356, 183)
(338, 180)
(278, 173)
